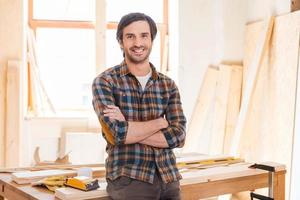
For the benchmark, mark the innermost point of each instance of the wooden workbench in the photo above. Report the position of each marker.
(196, 184)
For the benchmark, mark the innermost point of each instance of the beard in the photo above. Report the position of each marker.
(137, 59)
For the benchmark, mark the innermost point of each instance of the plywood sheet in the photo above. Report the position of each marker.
(261, 47)
(269, 126)
(198, 128)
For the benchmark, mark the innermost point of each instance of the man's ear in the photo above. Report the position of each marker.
(121, 44)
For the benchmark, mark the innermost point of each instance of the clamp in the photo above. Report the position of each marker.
(271, 171)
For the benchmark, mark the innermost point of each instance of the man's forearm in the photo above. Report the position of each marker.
(156, 140)
(138, 131)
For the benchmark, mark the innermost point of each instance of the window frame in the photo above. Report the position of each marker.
(39, 23)
(42, 23)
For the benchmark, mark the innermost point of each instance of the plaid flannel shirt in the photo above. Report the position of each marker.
(117, 86)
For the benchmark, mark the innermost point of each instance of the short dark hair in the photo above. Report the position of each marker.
(133, 17)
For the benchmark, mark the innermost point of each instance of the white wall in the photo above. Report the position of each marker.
(258, 10)
(210, 32)
(46, 132)
(197, 47)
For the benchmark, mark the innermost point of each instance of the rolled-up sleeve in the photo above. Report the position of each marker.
(176, 132)
(114, 131)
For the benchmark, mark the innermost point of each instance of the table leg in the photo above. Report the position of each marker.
(279, 186)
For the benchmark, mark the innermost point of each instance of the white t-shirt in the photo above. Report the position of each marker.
(144, 79)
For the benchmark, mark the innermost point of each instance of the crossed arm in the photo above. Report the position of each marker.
(147, 132)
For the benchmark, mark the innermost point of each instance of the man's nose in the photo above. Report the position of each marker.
(138, 41)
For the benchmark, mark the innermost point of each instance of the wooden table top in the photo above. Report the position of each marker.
(194, 181)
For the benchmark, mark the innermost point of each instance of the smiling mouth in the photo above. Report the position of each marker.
(138, 51)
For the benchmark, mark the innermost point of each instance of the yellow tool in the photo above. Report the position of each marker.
(83, 183)
(208, 163)
(52, 182)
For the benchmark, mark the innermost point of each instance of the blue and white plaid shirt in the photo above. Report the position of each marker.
(117, 86)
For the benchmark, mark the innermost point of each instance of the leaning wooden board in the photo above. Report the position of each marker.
(195, 183)
(269, 128)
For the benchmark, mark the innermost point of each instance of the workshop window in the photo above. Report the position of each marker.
(66, 45)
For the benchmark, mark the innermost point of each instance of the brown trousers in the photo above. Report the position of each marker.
(125, 188)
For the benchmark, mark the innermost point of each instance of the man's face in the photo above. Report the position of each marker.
(137, 42)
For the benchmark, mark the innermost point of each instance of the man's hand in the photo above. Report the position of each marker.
(113, 112)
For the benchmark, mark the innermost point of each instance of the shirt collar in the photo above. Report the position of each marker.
(125, 71)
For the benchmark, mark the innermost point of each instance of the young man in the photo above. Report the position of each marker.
(141, 116)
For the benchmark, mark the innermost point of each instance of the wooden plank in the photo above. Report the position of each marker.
(74, 194)
(61, 24)
(261, 48)
(100, 26)
(197, 138)
(41, 100)
(165, 56)
(252, 33)
(14, 115)
(25, 177)
(225, 172)
(220, 110)
(33, 176)
(269, 128)
(233, 106)
(32, 86)
(2, 113)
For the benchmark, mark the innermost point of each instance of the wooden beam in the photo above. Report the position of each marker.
(2, 113)
(35, 23)
(14, 115)
(261, 49)
(61, 24)
(100, 31)
(166, 15)
(295, 5)
(165, 57)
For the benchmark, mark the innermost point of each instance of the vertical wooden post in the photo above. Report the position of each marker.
(13, 136)
(100, 32)
(2, 112)
(279, 186)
